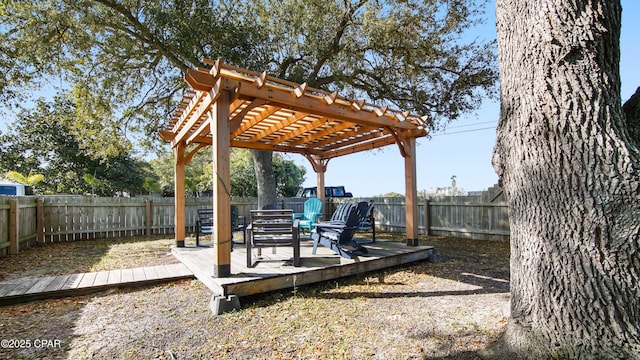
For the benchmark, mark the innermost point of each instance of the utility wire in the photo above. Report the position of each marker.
(473, 124)
(463, 131)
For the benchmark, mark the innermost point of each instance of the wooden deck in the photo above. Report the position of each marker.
(276, 271)
(37, 288)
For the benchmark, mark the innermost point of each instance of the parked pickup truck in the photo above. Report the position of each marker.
(15, 189)
(329, 192)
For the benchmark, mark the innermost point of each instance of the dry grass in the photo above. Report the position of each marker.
(422, 311)
(86, 256)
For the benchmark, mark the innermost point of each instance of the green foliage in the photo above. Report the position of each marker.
(31, 179)
(42, 142)
(408, 53)
(289, 176)
(243, 176)
(392, 194)
(151, 185)
(122, 61)
(199, 173)
(95, 184)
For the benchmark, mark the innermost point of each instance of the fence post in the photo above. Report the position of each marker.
(427, 225)
(148, 218)
(14, 233)
(39, 221)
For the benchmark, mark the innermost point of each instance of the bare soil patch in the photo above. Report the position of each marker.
(424, 310)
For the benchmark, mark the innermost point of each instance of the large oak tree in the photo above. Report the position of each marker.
(571, 169)
(123, 59)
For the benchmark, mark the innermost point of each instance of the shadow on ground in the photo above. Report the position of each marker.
(480, 267)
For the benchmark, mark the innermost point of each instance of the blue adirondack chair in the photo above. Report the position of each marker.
(312, 210)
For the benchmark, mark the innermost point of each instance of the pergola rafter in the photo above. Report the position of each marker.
(232, 107)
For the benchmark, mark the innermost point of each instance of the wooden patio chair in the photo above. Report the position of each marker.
(337, 234)
(272, 228)
(204, 224)
(312, 210)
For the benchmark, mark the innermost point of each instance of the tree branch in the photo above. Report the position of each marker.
(145, 34)
(335, 43)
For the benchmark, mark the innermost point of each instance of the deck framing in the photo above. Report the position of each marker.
(275, 271)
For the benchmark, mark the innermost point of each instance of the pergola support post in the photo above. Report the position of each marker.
(411, 189)
(180, 164)
(221, 187)
(320, 167)
(320, 182)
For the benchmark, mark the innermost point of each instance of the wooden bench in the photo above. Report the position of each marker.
(273, 228)
(204, 224)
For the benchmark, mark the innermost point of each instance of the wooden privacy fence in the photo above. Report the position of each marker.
(25, 221)
(482, 217)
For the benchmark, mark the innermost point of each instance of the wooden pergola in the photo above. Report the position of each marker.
(233, 107)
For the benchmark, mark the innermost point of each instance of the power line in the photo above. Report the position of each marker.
(474, 124)
(464, 131)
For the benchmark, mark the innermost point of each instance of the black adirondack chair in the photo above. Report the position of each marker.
(341, 213)
(337, 234)
(368, 222)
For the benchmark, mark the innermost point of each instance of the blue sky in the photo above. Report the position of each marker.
(465, 148)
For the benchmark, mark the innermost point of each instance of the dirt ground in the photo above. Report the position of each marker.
(445, 310)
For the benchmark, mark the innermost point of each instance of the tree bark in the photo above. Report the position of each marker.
(631, 110)
(571, 172)
(263, 163)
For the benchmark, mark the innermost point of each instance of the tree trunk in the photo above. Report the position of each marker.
(263, 163)
(566, 160)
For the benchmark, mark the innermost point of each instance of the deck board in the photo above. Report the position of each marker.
(150, 272)
(115, 277)
(275, 271)
(41, 284)
(127, 275)
(73, 282)
(22, 286)
(57, 283)
(102, 278)
(88, 279)
(162, 271)
(138, 274)
(7, 287)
